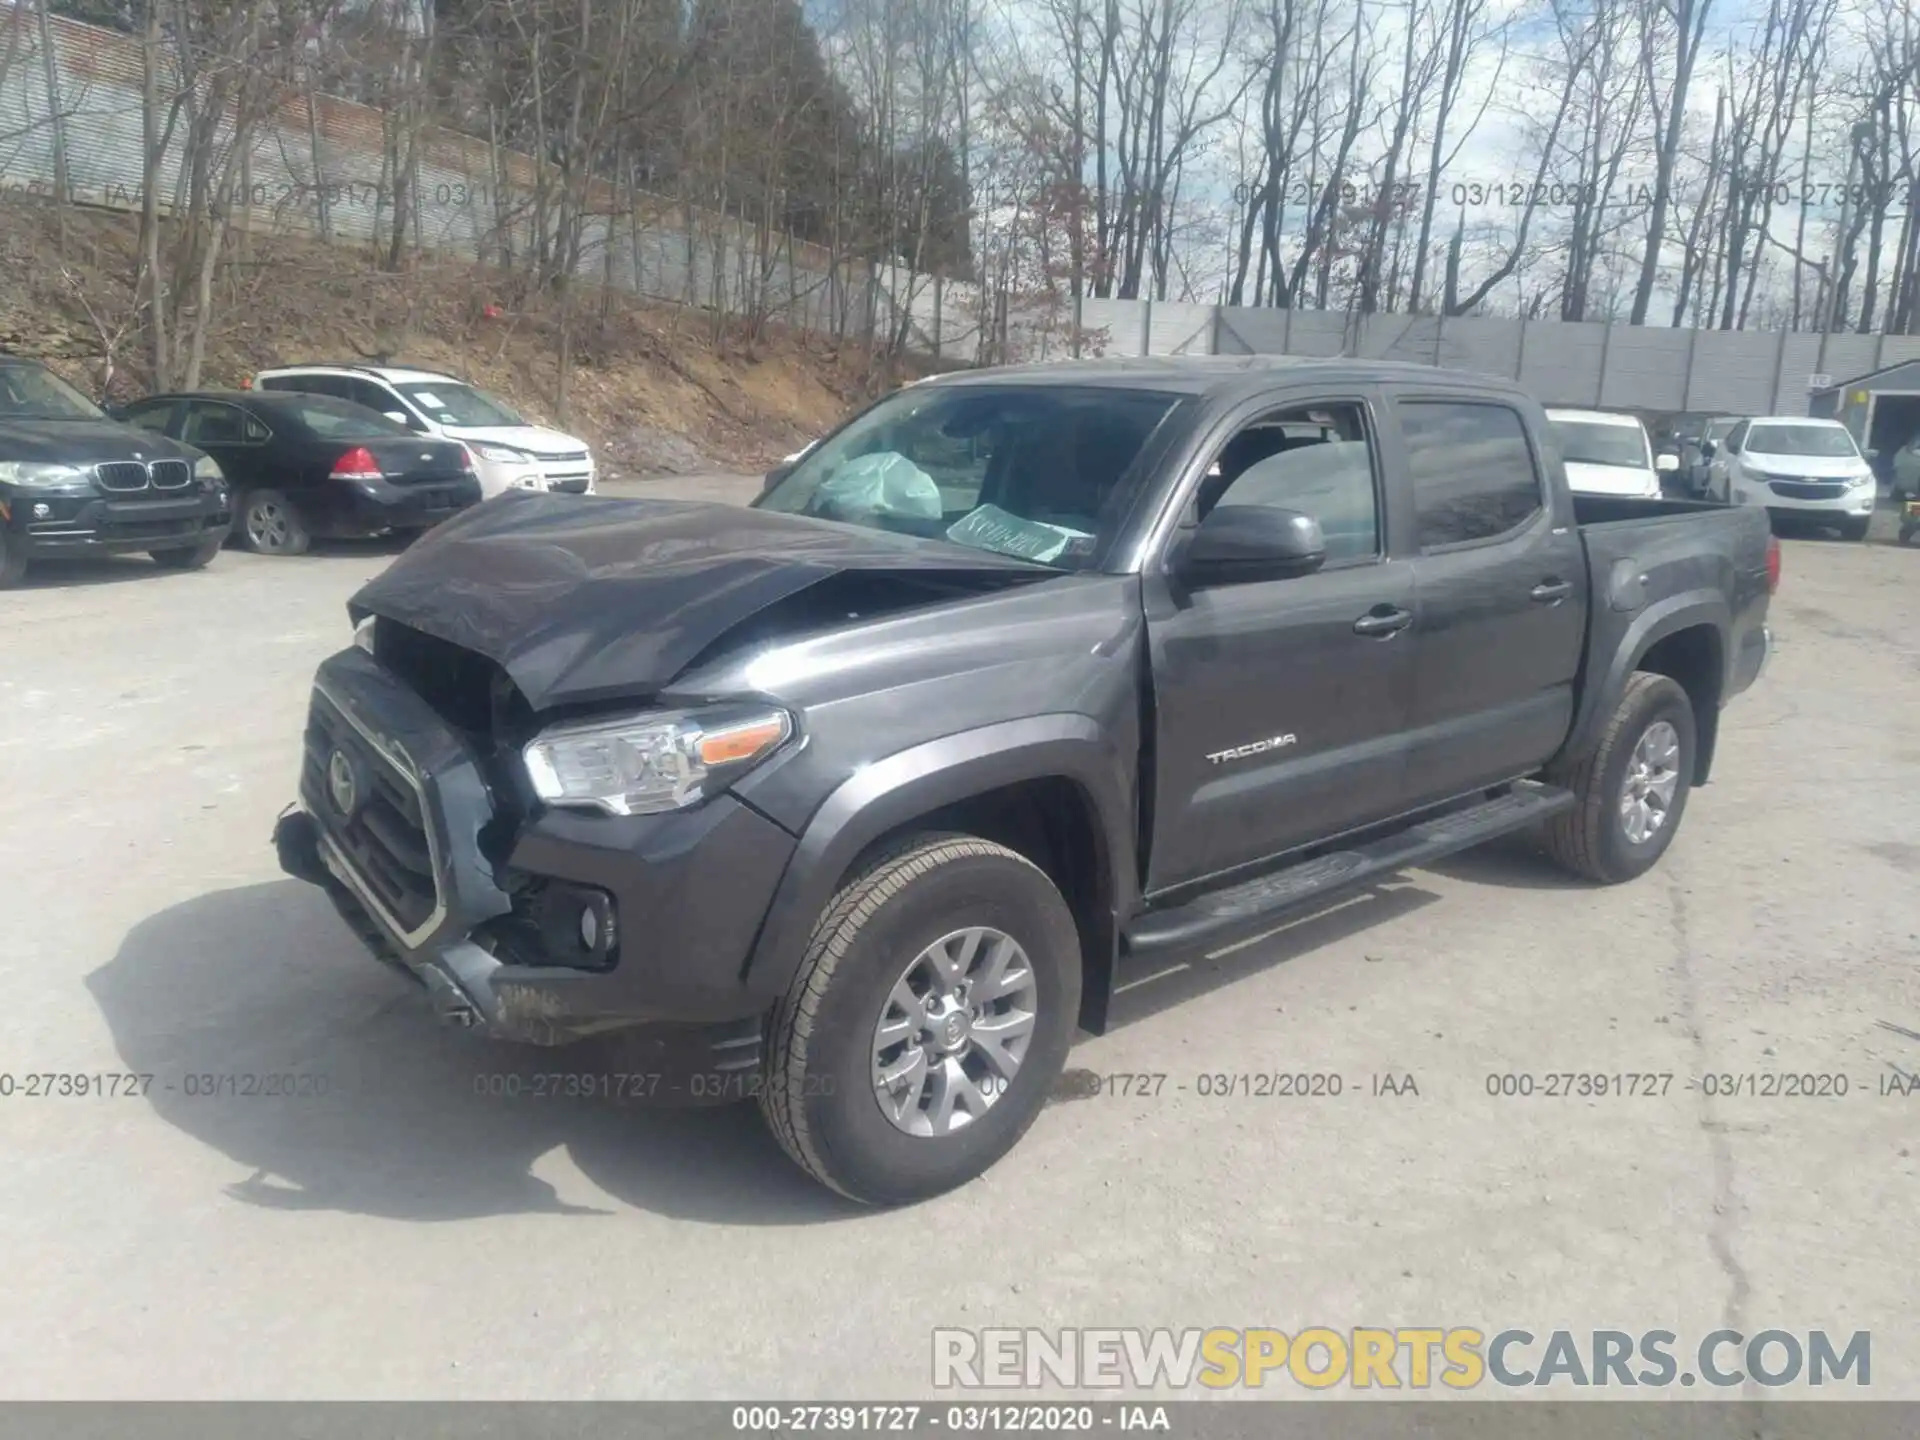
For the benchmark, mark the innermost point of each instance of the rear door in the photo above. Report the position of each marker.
(1276, 722)
(1500, 581)
(232, 437)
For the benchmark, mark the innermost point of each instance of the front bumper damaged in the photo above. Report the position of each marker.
(402, 825)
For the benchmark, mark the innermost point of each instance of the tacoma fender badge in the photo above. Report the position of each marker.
(1258, 747)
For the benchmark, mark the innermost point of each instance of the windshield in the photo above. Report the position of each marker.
(340, 419)
(1593, 442)
(1831, 441)
(1034, 471)
(1720, 429)
(28, 392)
(447, 402)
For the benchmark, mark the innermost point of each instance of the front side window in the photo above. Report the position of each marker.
(31, 392)
(1043, 472)
(1474, 475)
(1828, 442)
(448, 402)
(1316, 461)
(150, 417)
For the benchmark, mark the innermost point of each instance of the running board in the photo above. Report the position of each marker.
(1244, 909)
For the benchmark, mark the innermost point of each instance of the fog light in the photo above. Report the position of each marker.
(589, 928)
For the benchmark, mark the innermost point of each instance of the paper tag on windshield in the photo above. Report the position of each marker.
(991, 528)
(427, 401)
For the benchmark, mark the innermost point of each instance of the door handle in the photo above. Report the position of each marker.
(1551, 592)
(1382, 622)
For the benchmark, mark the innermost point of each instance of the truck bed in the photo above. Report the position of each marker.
(1649, 560)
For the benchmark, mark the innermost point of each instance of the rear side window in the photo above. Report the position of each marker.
(1473, 471)
(338, 420)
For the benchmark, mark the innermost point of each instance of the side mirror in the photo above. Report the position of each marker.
(775, 476)
(1237, 544)
(1666, 464)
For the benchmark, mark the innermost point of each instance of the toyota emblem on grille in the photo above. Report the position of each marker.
(342, 788)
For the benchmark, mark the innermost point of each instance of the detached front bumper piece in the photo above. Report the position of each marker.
(537, 926)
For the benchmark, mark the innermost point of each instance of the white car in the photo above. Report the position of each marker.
(508, 453)
(1796, 466)
(1609, 454)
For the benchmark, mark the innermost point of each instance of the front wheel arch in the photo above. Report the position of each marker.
(1048, 788)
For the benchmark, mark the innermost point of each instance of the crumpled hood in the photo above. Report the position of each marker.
(582, 599)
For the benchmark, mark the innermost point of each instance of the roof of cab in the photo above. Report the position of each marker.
(1220, 374)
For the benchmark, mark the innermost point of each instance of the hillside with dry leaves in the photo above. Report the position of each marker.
(656, 389)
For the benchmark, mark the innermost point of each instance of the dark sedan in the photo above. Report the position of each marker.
(306, 466)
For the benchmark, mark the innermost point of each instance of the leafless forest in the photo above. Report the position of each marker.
(1711, 163)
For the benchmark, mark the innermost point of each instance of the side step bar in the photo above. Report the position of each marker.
(1244, 909)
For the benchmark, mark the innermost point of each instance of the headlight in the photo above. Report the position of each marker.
(363, 634)
(1864, 478)
(207, 470)
(644, 764)
(36, 475)
(500, 454)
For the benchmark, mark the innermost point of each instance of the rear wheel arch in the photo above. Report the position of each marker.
(1684, 638)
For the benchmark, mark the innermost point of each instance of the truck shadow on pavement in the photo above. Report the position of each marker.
(390, 1114)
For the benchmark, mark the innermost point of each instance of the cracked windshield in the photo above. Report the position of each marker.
(1035, 472)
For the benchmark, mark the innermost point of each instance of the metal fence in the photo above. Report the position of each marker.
(318, 165)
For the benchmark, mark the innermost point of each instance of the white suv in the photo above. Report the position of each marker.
(508, 453)
(1795, 466)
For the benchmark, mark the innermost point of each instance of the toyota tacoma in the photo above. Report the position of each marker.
(868, 792)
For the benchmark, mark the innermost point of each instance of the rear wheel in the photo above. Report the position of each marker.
(1631, 789)
(268, 524)
(192, 557)
(927, 1024)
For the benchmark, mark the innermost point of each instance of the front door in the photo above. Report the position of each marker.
(1280, 705)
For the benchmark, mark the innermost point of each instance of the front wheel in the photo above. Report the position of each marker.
(1631, 789)
(929, 1019)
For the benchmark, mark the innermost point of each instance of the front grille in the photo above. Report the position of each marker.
(1809, 489)
(171, 474)
(384, 840)
(562, 457)
(122, 476)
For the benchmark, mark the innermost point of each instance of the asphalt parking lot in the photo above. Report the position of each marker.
(402, 1236)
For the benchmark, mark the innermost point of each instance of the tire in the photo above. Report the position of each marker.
(268, 523)
(195, 557)
(820, 1094)
(1907, 532)
(1593, 839)
(13, 562)
(1855, 530)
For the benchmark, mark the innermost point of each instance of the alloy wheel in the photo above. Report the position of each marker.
(1653, 775)
(954, 1031)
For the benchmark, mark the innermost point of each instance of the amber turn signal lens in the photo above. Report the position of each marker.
(743, 742)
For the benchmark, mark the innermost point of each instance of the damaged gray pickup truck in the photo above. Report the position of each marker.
(868, 792)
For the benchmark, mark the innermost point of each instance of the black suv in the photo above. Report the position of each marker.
(74, 481)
